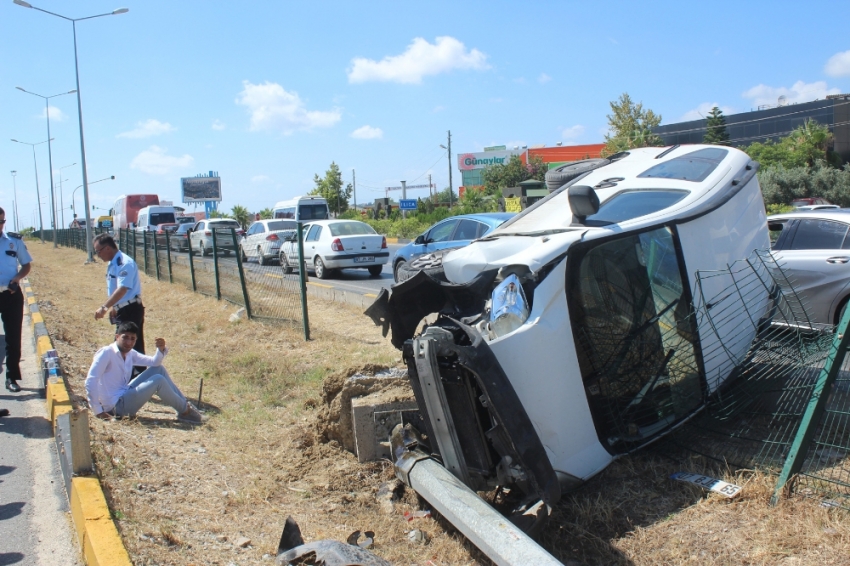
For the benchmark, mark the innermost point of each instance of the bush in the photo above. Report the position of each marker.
(781, 185)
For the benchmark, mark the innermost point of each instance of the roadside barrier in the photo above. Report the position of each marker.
(100, 543)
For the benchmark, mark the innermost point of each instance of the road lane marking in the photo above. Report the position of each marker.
(273, 275)
(320, 285)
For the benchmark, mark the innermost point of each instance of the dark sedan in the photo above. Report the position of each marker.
(179, 239)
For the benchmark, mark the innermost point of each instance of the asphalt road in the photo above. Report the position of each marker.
(354, 280)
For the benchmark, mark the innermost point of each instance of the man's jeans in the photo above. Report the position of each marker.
(154, 380)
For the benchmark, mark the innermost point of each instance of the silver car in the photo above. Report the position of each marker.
(813, 248)
(263, 239)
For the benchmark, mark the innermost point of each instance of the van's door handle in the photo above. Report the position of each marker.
(838, 259)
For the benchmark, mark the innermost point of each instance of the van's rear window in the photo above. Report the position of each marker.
(313, 211)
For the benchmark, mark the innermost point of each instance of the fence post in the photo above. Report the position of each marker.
(816, 407)
(192, 263)
(302, 279)
(156, 255)
(168, 255)
(215, 265)
(145, 248)
(241, 273)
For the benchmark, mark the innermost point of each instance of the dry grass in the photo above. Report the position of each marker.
(184, 495)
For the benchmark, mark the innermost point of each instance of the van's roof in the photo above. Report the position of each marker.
(296, 200)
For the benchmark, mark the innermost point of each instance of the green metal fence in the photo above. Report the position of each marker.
(785, 409)
(219, 271)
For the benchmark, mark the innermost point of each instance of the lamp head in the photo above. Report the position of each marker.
(120, 11)
(22, 3)
(14, 140)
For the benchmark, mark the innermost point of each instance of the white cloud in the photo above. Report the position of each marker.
(260, 179)
(55, 114)
(799, 92)
(147, 129)
(572, 132)
(273, 108)
(543, 78)
(367, 133)
(520, 80)
(218, 125)
(421, 59)
(438, 109)
(838, 65)
(703, 110)
(154, 161)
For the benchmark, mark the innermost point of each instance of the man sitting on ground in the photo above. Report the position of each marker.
(109, 387)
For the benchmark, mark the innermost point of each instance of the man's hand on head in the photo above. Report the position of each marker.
(160, 344)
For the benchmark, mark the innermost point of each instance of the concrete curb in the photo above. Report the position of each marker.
(100, 543)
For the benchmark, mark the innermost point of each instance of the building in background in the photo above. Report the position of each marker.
(772, 123)
(471, 165)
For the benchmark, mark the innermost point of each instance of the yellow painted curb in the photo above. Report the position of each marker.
(30, 300)
(36, 317)
(42, 345)
(101, 542)
(57, 396)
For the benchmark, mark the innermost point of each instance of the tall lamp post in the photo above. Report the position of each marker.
(15, 202)
(61, 195)
(37, 194)
(449, 149)
(49, 152)
(79, 109)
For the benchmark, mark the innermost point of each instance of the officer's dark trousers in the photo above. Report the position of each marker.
(133, 313)
(12, 315)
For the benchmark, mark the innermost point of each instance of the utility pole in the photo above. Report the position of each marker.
(354, 186)
(451, 190)
(15, 202)
(404, 196)
(430, 196)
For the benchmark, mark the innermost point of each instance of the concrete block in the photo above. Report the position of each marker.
(372, 426)
(58, 400)
(101, 543)
(73, 444)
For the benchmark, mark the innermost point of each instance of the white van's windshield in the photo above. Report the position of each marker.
(158, 218)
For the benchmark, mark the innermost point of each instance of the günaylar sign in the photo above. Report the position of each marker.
(469, 161)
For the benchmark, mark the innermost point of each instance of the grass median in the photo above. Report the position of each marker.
(183, 495)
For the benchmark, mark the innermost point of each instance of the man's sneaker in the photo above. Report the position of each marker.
(12, 385)
(191, 415)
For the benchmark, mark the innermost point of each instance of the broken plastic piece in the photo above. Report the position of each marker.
(410, 515)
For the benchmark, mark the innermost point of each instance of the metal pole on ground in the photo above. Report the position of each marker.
(302, 279)
(241, 274)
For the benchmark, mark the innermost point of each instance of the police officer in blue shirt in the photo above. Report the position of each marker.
(123, 286)
(14, 252)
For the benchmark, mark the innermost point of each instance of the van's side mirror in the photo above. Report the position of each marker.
(584, 202)
(420, 239)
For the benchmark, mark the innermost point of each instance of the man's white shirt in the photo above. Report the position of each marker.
(110, 374)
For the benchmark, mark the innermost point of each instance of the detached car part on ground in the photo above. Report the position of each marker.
(567, 337)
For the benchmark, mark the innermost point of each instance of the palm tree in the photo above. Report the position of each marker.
(241, 214)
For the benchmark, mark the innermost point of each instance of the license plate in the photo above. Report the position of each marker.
(709, 483)
(364, 259)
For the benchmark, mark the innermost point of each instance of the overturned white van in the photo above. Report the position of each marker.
(566, 337)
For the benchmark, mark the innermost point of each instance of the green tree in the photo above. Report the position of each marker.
(630, 126)
(266, 213)
(330, 187)
(716, 128)
(512, 173)
(447, 195)
(242, 216)
(805, 146)
(218, 214)
(474, 201)
(780, 185)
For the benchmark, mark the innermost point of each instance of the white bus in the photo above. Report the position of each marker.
(302, 209)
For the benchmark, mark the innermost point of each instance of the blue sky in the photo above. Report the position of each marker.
(270, 93)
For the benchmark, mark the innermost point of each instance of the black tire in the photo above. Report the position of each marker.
(244, 257)
(396, 268)
(203, 248)
(322, 272)
(226, 252)
(841, 310)
(261, 259)
(558, 177)
(284, 263)
(375, 270)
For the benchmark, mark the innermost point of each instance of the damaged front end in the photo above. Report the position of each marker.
(475, 423)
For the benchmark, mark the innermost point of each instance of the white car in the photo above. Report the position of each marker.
(201, 236)
(566, 338)
(263, 238)
(330, 245)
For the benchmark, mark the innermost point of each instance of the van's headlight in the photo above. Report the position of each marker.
(508, 307)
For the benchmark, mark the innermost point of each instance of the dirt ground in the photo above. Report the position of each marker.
(274, 446)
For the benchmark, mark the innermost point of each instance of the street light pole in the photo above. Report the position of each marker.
(15, 202)
(49, 153)
(449, 149)
(79, 110)
(61, 194)
(37, 194)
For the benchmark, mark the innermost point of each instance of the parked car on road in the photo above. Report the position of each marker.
(201, 238)
(179, 239)
(813, 249)
(808, 201)
(330, 245)
(454, 232)
(263, 238)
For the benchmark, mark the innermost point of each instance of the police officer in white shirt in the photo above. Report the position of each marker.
(123, 287)
(14, 253)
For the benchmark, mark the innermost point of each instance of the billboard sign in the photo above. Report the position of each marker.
(201, 189)
(407, 204)
(470, 161)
